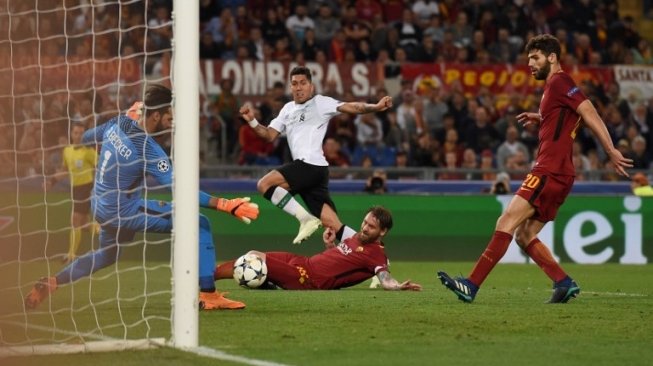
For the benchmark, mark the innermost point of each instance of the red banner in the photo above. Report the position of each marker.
(501, 79)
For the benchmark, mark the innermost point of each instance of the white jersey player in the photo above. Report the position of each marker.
(304, 120)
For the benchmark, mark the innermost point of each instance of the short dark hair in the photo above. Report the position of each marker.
(383, 215)
(158, 98)
(546, 43)
(302, 70)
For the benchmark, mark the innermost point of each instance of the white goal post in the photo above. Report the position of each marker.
(150, 299)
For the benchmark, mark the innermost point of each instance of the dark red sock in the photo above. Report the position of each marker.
(490, 257)
(224, 270)
(542, 256)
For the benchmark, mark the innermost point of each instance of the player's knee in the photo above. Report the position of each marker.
(262, 185)
(105, 257)
(523, 237)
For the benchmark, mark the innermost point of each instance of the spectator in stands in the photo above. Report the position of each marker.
(461, 30)
(581, 162)
(427, 53)
(422, 155)
(425, 10)
(487, 165)
(218, 25)
(517, 164)
(481, 134)
(435, 107)
(298, 23)
(509, 147)
(641, 157)
(503, 51)
(409, 117)
(451, 171)
(642, 54)
(326, 26)
(254, 150)
(410, 34)
(434, 29)
(208, 47)
(281, 50)
(470, 161)
(255, 44)
(273, 28)
(369, 130)
(227, 105)
(366, 9)
(334, 154)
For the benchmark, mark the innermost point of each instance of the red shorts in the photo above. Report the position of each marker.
(288, 271)
(546, 193)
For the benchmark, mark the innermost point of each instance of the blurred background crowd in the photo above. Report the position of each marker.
(460, 135)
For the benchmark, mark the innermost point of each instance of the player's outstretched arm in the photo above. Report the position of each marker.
(361, 108)
(595, 123)
(264, 132)
(242, 208)
(389, 283)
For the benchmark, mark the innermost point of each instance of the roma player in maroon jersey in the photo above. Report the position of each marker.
(352, 261)
(563, 110)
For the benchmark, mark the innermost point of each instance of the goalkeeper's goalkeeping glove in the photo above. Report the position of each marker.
(240, 207)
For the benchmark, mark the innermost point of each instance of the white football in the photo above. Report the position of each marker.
(250, 271)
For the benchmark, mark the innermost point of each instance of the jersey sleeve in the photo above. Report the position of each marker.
(569, 94)
(279, 123)
(95, 135)
(328, 106)
(158, 164)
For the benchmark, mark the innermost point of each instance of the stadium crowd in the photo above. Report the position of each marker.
(441, 127)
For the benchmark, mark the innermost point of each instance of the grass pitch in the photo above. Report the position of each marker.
(610, 323)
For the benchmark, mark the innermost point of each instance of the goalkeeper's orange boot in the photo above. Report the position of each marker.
(307, 228)
(41, 290)
(217, 301)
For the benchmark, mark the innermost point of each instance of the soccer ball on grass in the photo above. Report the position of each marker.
(250, 271)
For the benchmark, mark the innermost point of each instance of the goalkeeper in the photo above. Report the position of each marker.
(129, 151)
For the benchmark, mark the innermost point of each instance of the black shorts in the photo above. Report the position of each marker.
(311, 182)
(82, 198)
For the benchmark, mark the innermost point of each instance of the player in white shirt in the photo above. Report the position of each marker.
(304, 120)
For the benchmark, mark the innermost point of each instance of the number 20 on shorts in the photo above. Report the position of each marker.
(531, 181)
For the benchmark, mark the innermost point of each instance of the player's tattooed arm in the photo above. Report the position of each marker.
(361, 108)
(389, 283)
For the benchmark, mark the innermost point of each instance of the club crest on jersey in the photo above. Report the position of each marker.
(163, 166)
(573, 91)
(301, 118)
(360, 249)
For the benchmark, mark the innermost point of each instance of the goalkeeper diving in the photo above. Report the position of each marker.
(129, 151)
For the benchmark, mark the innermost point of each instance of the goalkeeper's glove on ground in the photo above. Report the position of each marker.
(240, 207)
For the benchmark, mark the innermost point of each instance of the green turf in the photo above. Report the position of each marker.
(610, 323)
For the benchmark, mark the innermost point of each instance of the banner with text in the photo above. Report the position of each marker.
(254, 78)
(500, 79)
(635, 81)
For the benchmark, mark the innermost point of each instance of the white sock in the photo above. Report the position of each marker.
(285, 201)
(347, 233)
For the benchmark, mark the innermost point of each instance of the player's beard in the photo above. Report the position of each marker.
(543, 73)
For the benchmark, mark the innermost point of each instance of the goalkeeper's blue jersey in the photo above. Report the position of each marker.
(127, 155)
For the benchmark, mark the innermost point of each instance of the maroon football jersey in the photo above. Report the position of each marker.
(348, 264)
(559, 124)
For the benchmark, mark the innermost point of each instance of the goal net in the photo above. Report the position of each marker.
(64, 64)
